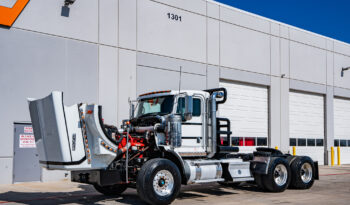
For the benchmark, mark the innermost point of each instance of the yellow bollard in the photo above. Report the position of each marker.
(338, 151)
(332, 156)
(294, 151)
(276, 147)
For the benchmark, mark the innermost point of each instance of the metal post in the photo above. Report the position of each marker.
(332, 156)
(338, 152)
(294, 151)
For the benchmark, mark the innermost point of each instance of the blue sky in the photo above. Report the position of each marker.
(326, 17)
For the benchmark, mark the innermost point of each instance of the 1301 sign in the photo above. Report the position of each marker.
(174, 17)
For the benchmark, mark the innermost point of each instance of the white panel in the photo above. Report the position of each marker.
(284, 31)
(244, 19)
(158, 34)
(247, 108)
(307, 38)
(151, 79)
(341, 47)
(275, 29)
(193, 82)
(306, 118)
(244, 49)
(213, 10)
(213, 41)
(108, 22)
(126, 82)
(330, 68)
(197, 6)
(341, 61)
(285, 57)
(341, 119)
(127, 24)
(213, 75)
(108, 83)
(275, 56)
(6, 170)
(275, 111)
(284, 114)
(306, 115)
(308, 63)
(45, 16)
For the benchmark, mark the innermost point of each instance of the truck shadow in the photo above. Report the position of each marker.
(87, 195)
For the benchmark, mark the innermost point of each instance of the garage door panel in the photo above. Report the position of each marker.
(342, 127)
(306, 118)
(247, 109)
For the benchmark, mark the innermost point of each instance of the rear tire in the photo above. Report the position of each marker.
(278, 177)
(112, 190)
(159, 181)
(303, 170)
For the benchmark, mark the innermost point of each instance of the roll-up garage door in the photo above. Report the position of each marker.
(342, 128)
(306, 118)
(247, 109)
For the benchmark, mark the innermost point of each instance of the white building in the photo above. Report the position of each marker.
(285, 84)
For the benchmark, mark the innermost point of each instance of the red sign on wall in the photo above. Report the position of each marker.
(26, 141)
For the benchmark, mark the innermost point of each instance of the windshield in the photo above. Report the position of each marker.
(155, 106)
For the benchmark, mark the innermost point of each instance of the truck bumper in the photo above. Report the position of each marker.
(100, 177)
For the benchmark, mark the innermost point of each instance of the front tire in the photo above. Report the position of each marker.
(112, 190)
(303, 170)
(278, 177)
(158, 181)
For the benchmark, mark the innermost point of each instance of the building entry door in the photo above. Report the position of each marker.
(26, 166)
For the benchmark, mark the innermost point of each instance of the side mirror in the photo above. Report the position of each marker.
(188, 108)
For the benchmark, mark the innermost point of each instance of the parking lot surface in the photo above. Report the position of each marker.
(332, 188)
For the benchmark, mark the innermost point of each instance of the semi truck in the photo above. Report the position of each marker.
(171, 138)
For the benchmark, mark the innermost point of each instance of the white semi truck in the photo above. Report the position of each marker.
(172, 138)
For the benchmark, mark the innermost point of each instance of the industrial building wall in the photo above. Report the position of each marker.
(109, 50)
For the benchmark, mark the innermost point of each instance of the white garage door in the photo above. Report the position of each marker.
(247, 109)
(342, 129)
(306, 118)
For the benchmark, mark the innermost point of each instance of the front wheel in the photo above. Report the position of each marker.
(158, 181)
(112, 190)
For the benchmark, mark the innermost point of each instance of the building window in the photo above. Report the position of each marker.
(348, 143)
(292, 142)
(249, 141)
(302, 142)
(311, 142)
(261, 141)
(319, 142)
(343, 143)
(336, 143)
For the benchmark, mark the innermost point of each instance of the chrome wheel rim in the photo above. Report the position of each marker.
(306, 173)
(280, 175)
(163, 183)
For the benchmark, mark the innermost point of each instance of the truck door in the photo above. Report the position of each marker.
(192, 130)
